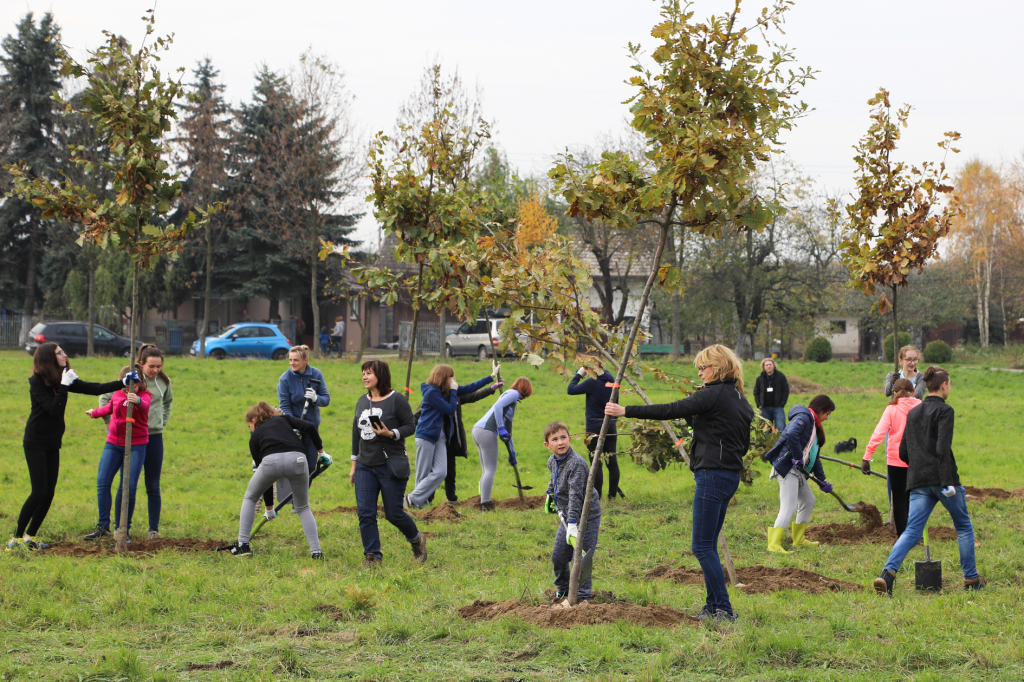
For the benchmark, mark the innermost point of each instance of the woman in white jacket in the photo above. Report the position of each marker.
(890, 429)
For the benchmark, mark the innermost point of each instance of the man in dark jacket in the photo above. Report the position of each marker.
(932, 477)
(599, 392)
(771, 392)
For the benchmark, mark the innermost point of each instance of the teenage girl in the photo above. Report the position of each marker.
(497, 423)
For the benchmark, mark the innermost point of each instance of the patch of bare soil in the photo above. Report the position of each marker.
(528, 502)
(600, 596)
(347, 510)
(586, 613)
(135, 547)
(760, 579)
(870, 531)
(209, 666)
(982, 494)
(443, 512)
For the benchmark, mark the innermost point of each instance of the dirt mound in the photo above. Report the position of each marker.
(587, 613)
(870, 517)
(209, 666)
(135, 547)
(944, 533)
(442, 512)
(982, 494)
(347, 510)
(600, 597)
(529, 502)
(847, 534)
(760, 579)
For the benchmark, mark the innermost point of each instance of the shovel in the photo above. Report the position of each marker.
(928, 573)
(586, 562)
(847, 507)
(852, 466)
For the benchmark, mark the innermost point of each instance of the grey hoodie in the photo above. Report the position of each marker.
(569, 484)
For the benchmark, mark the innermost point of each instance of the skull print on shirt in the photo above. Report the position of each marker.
(365, 430)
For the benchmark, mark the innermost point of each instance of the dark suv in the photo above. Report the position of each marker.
(72, 337)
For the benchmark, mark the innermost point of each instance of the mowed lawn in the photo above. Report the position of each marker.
(160, 616)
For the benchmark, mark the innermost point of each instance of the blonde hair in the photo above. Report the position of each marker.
(140, 385)
(905, 349)
(441, 377)
(303, 351)
(261, 412)
(771, 360)
(724, 363)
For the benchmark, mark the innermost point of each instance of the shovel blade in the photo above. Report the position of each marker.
(522, 487)
(586, 565)
(928, 575)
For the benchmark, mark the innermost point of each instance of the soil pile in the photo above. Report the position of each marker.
(760, 579)
(347, 510)
(982, 494)
(529, 502)
(587, 613)
(870, 517)
(135, 547)
(444, 512)
(871, 530)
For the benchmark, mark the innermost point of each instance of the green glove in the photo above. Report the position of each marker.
(549, 505)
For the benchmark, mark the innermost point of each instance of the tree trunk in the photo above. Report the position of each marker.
(415, 325)
(208, 293)
(121, 536)
(364, 328)
(90, 329)
(895, 334)
(675, 333)
(442, 322)
(985, 337)
(28, 309)
(1002, 310)
(574, 576)
(313, 301)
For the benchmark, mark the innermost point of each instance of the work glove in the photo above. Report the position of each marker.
(503, 433)
(130, 376)
(512, 456)
(826, 487)
(496, 385)
(453, 384)
(495, 368)
(310, 395)
(270, 514)
(797, 463)
(68, 377)
(866, 466)
(549, 504)
(581, 371)
(324, 460)
(949, 491)
(572, 532)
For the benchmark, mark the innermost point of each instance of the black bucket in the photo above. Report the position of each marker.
(928, 575)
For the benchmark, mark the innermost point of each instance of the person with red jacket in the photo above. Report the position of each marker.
(112, 459)
(890, 429)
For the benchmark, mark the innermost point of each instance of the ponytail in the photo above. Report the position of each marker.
(261, 412)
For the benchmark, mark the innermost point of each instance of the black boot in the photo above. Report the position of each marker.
(884, 582)
(487, 506)
(100, 532)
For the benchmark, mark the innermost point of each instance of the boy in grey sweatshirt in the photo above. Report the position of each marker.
(569, 474)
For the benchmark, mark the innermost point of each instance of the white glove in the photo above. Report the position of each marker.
(581, 371)
(270, 514)
(68, 377)
(495, 368)
(572, 532)
(310, 395)
(949, 491)
(454, 384)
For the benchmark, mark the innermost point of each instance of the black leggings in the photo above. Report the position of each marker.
(449, 480)
(43, 467)
(900, 497)
(609, 459)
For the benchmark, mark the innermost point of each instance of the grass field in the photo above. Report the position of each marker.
(109, 618)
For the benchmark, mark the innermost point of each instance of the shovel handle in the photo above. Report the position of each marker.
(852, 466)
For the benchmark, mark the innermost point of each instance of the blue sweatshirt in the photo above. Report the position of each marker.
(435, 408)
(598, 395)
(291, 392)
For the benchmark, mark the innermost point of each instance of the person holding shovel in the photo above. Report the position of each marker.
(301, 392)
(890, 429)
(599, 391)
(434, 429)
(495, 424)
(459, 445)
(932, 477)
(51, 381)
(719, 416)
(794, 458)
(565, 494)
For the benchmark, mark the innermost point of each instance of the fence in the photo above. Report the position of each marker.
(428, 340)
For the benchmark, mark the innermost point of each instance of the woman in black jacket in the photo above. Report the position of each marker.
(51, 381)
(771, 392)
(719, 416)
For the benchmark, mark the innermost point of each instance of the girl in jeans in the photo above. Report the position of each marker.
(279, 455)
(380, 465)
(112, 459)
(719, 416)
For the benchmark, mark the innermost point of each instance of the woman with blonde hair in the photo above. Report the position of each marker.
(890, 429)
(434, 429)
(719, 416)
(495, 424)
(909, 358)
(771, 392)
(300, 384)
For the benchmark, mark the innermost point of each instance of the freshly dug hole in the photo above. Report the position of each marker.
(760, 579)
(529, 502)
(135, 547)
(587, 613)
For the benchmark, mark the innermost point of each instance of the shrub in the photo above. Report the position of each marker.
(819, 349)
(938, 352)
(887, 344)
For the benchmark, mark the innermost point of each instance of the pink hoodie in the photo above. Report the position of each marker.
(117, 411)
(893, 421)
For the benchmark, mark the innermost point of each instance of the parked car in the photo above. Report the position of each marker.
(73, 338)
(246, 340)
(471, 338)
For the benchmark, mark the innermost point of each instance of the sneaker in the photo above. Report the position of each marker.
(561, 594)
(722, 616)
(34, 546)
(705, 613)
(15, 544)
(883, 583)
(487, 506)
(241, 549)
(317, 556)
(372, 560)
(975, 584)
(152, 535)
(100, 532)
(419, 549)
(453, 498)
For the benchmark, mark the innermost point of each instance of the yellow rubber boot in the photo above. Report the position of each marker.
(798, 536)
(775, 540)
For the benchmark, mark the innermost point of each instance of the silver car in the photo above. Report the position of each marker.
(471, 338)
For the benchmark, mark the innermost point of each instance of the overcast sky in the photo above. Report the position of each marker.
(551, 73)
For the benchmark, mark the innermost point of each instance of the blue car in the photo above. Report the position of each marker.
(246, 340)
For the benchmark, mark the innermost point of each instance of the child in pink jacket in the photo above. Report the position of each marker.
(890, 429)
(112, 459)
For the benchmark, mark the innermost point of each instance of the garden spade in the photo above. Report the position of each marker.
(852, 466)
(928, 573)
(518, 485)
(586, 560)
(847, 507)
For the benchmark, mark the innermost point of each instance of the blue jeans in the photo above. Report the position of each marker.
(151, 476)
(922, 501)
(715, 488)
(371, 482)
(110, 463)
(777, 416)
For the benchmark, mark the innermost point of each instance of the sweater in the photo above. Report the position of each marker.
(918, 381)
(45, 425)
(799, 440)
(569, 486)
(291, 393)
(159, 409)
(436, 411)
(719, 417)
(394, 411)
(779, 394)
(892, 424)
(927, 445)
(277, 434)
(598, 393)
(459, 444)
(117, 410)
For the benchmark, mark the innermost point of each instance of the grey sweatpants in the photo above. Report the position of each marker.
(795, 496)
(291, 466)
(561, 556)
(487, 444)
(431, 468)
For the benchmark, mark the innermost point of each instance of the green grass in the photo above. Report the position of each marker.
(140, 619)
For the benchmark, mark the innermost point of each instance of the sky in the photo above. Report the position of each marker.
(551, 73)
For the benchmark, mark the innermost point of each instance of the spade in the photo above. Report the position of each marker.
(928, 573)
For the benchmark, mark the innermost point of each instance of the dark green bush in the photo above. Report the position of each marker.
(819, 349)
(938, 352)
(887, 344)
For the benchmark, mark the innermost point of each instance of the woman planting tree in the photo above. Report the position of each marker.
(719, 416)
(794, 458)
(890, 429)
(459, 445)
(51, 381)
(909, 357)
(299, 385)
(441, 393)
(495, 424)
(112, 458)
(380, 465)
(279, 455)
(771, 392)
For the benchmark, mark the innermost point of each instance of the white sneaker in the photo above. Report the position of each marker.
(152, 535)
